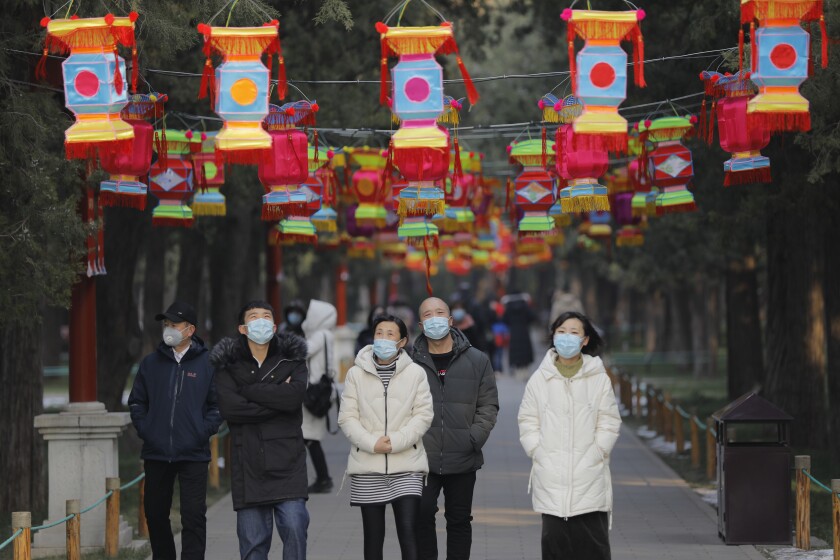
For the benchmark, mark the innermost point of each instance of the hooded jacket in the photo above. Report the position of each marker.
(568, 426)
(320, 321)
(262, 405)
(173, 405)
(465, 406)
(403, 412)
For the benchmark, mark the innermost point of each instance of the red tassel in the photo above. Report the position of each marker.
(123, 200)
(458, 170)
(282, 85)
(100, 246)
(118, 79)
(135, 70)
(751, 176)
(387, 173)
(572, 61)
(208, 82)
(472, 93)
(315, 143)
(383, 71)
(41, 68)
(753, 48)
(173, 222)
(428, 266)
(544, 148)
(701, 127)
(508, 190)
(824, 38)
(639, 66)
(710, 132)
(741, 50)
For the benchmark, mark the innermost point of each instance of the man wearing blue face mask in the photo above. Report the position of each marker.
(466, 403)
(261, 379)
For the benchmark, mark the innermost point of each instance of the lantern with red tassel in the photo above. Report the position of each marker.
(369, 186)
(780, 60)
(599, 73)
(171, 180)
(125, 187)
(460, 187)
(209, 178)
(94, 83)
(580, 167)
(670, 163)
(535, 188)
(239, 87)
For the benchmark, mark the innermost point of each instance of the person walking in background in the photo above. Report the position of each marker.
(501, 337)
(568, 425)
(465, 413)
(518, 316)
(293, 316)
(464, 322)
(174, 410)
(318, 326)
(261, 377)
(365, 337)
(386, 408)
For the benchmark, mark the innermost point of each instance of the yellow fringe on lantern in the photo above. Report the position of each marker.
(550, 115)
(395, 119)
(209, 208)
(804, 10)
(629, 240)
(596, 24)
(414, 206)
(585, 203)
(67, 34)
(562, 220)
(378, 223)
(450, 116)
(417, 40)
(242, 41)
(325, 226)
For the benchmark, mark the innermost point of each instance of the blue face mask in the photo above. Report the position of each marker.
(384, 348)
(459, 315)
(436, 327)
(568, 345)
(260, 331)
(295, 318)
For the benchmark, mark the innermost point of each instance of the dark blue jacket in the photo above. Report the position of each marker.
(173, 405)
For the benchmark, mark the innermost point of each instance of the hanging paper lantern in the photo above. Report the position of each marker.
(322, 177)
(174, 184)
(599, 73)
(780, 60)
(282, 172)
(581, 169)
(369, 186)
(671, 165)
(125, 187)
(238, 89)
(599, 226)
(209, 177)
(418, 231)
(94, 83)
(535, 187)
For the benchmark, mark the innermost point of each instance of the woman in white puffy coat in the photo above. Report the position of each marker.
(318, 326)
(386, 408)
(568, 425)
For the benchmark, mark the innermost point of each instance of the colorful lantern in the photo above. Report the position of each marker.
(287, 167)
(322, 182)
(670, 163)
(209, 177)
(239, 87)
(535, 187)
(94, 86)
(780, 60)
(369, 185)
(599, 73)
(171, 180)
(581, 169)
(124, 187)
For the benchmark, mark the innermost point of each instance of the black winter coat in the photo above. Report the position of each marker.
(466, 406)
(173, 405)
(263, 410)
(519, 316)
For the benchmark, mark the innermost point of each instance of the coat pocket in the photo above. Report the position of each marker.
(280, 451)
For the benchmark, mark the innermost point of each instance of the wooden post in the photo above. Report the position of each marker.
(22, 545)
(651, 407)
(213, 475)
(711, 450)
(803, 502)
(835, 514)
(112, 518)
(142, 524)
(679, 433)
(638, 399)
(627, 394)
(74, 545)
(695, 441)
(667, 419)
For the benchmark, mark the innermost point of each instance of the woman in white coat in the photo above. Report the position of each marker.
(386, 407)
(568, 425)
(318, 326)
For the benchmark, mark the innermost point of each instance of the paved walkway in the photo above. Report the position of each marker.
(657, 516)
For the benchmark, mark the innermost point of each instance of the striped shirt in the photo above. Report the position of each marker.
(381, 488)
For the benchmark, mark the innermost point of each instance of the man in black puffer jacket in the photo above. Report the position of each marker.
(466, 404)
(173, 408)
(261, 377)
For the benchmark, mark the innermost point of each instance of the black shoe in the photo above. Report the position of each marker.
(321, 486)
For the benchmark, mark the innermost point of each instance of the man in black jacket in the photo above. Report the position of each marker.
(466, 404)
(173, 408)
(261, 378)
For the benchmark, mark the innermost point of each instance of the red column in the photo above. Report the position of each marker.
(342, 275)
(83, 326)
(274, 272)
(394, 287)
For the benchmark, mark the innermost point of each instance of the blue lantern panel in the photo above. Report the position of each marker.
(418, 88)
(602, 75)
(242, 91)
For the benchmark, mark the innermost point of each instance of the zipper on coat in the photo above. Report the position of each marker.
(571, 440)
(277, 365)
(175, 392)
(385, 392)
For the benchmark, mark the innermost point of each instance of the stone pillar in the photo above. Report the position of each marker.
(345, 346)
(82, 449)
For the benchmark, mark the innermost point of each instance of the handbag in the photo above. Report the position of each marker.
(318, 396)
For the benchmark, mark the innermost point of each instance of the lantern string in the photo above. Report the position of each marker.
(222, 9)
(67, 14)
(52, 15)
(402, 12)
(230, 13)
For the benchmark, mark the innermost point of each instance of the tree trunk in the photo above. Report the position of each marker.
(153, 287)
(119, 340)
(713, 325)
(23, 461)
(699, 323)
(191, 269)
(832, 311)
(654, 322)
(744, 362)
(227, 272)
(796, 337)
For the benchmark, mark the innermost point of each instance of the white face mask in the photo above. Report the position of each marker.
(172, 336)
